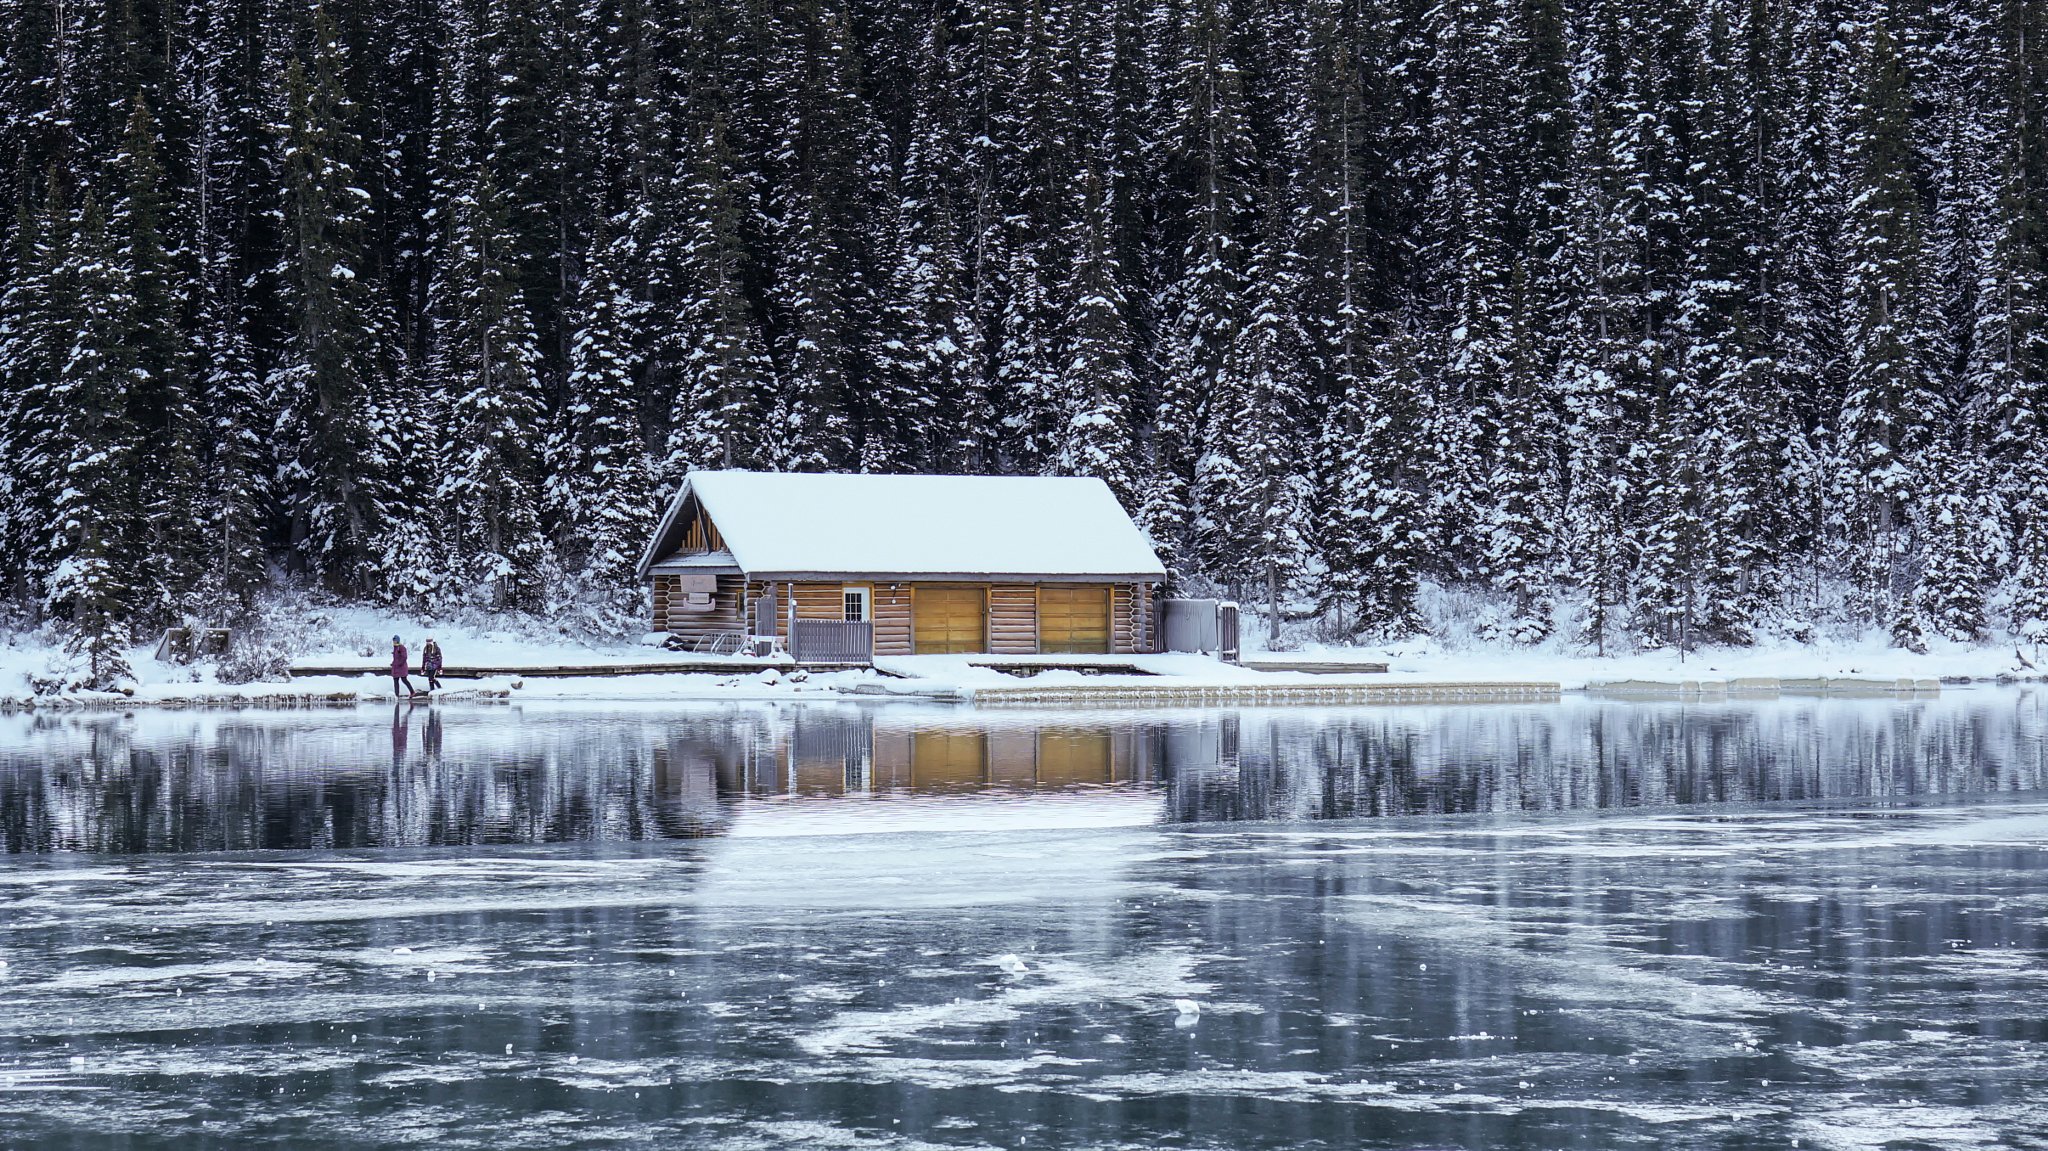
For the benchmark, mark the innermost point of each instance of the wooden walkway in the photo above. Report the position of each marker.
(1314, 666)
(1168, 693)
(1086, 665)
(1761, 687)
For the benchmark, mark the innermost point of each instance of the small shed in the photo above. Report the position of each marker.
(930, 564)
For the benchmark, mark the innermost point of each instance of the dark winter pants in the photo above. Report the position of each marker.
(406, 680)
(434, 680)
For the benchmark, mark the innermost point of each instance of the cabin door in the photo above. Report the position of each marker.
(948, 620)
(1073, 619)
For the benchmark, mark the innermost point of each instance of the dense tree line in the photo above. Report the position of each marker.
(1683, 311)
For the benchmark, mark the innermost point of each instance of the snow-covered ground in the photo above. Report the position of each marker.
(338, 636)
(1871, 658)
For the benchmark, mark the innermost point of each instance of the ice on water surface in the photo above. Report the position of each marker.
(1575, 925)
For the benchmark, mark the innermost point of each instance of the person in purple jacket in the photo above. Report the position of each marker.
(401, 670)
(430, 664)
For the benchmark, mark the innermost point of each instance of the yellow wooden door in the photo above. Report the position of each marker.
(947, 760)
(1073, 619)
(948, 620)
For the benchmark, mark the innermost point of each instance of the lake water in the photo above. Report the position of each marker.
(1745, 924)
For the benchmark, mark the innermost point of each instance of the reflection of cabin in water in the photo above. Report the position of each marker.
(834, 753)
(845, 567)
(879, 752)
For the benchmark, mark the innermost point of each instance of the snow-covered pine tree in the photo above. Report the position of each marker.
(335, 351)
(1521, 513)
(2004, 384)
(419, 562)
(2029, 614)
(1371, 546)
(708, 350)
(1804, 195)
(485, 359)
(228, 176)
(1721, 388)
(1097, 379)
(33, 348)
(1343, 135)
(1965, 547)
(600, 484)
(162, 408)
(1890, 409)
(527, 139)
(827, 167)
(1606, 377)
(1466, 264)
(810, 428)
(932, 357)
(1208, 162)
(1043, 151)
(88, 575)
(1249, 493)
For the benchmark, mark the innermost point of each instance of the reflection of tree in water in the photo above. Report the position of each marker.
(436, 777)
(324, 781)
(1434, 761)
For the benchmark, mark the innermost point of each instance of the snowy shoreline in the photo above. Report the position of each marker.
(1176, 679)
(518, 654)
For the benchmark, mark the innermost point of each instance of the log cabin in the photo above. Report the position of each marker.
(856, 566)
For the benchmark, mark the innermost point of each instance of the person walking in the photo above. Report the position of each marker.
(430, 664)
(401, 670)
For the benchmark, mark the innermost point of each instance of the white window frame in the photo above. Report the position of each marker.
(866, 595)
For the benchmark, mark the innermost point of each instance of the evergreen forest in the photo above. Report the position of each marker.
(1655, 321)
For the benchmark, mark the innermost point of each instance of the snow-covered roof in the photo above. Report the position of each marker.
(791, 525)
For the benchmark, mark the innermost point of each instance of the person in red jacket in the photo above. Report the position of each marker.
(401, 670)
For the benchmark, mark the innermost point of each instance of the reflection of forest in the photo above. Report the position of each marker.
(432, 776)
(1371, 762)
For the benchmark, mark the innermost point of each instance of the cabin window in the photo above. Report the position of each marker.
(855, 600)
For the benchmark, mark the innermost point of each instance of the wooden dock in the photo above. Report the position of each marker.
(1763, 687)
(1168, 693)
(1085, 665)
(1314, 666)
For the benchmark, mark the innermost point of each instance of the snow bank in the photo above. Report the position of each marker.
(1425, 661)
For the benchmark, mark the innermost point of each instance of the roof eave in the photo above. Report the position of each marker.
(655, 551)
(959, 577)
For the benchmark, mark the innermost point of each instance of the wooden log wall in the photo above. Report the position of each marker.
(1013, 619)
(726, 614)
(891, 605)
(1143, 626)
(813, 601)
(1012, 613)
(1123, 630)
(816, 601)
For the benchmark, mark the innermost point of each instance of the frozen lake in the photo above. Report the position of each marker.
(1746, 924)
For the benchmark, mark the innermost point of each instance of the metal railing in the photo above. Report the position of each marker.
(719, 643)
(831, 641)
